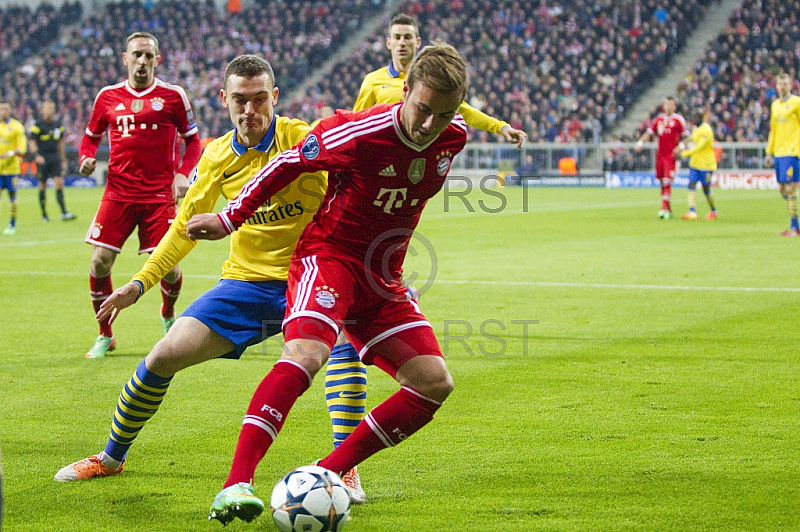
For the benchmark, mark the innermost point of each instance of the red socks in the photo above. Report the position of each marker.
(170, 293)
(388, 424)
(666, 193)
(101, 288)
(265, 417)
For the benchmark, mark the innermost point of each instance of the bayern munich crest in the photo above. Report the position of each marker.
(325, 296)
(443, 166)
(157, 104)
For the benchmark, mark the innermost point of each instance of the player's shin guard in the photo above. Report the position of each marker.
(345, 391)
(169, 294)
(101, 288)
(265, 417)
(387, 425)
(138, 402)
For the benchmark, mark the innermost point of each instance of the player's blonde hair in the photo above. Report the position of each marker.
(783, 75)
(440, 67)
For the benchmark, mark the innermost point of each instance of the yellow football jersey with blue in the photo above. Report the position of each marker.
(385, 85)
(262, 248)
(12, 138)
(701, 154)
(784, 131)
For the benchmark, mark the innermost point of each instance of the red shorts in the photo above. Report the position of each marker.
(666, 167)
(383, 324)
(116, 220)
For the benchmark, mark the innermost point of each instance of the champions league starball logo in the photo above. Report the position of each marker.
(419, 249)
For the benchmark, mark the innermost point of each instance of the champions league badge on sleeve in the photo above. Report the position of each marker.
(310, 148)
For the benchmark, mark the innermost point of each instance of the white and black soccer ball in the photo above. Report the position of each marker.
(310, 499)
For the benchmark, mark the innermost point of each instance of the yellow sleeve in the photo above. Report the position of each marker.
(480, 120)
(366, 96)
(22, 140)
(200, 198)
(771, 139)
(700, 141)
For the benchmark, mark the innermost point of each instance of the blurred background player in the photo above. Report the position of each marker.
(144, 116)
(783, 146)
(702, 164)
(248, 305)
(45, 141)
(670, 128)
(385, 85)
(332, 280)
(12, 145)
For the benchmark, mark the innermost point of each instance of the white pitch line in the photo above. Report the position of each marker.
(420, 282)
(24, 244)
(626, 286)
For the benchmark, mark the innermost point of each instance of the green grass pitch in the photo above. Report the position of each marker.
(659, 389)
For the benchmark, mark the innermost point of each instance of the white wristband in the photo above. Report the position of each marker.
(11, 153)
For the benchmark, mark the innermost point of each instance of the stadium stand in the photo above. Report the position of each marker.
(562, 71)
(735, 79)
(196, 42)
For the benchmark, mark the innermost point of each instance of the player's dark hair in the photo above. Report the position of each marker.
(404, 20)
(440, 67)
(248, 66)
(699, 116)
(141, 35)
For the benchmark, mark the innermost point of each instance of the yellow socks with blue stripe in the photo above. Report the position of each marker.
(345, 391)
(691, 199)
(138, 402)
(12, 221)
(791, 207)
(709, 197)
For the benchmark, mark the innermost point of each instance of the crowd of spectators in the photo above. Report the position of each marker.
(196, 41)
(24, 30)
(562, 71)
(735, 79)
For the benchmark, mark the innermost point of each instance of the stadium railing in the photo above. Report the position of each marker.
(591, 159)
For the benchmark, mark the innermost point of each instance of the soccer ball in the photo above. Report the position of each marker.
(310, 499)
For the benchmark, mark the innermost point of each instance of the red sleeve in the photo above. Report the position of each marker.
(191, 155)
(88, 147)
(95, 129)
(310, 155)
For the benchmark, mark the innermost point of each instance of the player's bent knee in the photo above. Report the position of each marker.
(311, 354)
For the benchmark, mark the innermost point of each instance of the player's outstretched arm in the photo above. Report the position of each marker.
(121, 298)
(513, 135)
(206, 226)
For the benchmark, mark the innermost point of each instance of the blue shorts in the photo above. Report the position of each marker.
(699, 176)
(244, 312)
(9, 182)
(782, 166)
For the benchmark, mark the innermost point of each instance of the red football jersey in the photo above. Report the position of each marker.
(378, 183)
(143, 128)
(669, 130)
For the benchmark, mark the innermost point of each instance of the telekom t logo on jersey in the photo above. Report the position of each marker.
(123, 123)
(392, 198)
(127, 123)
